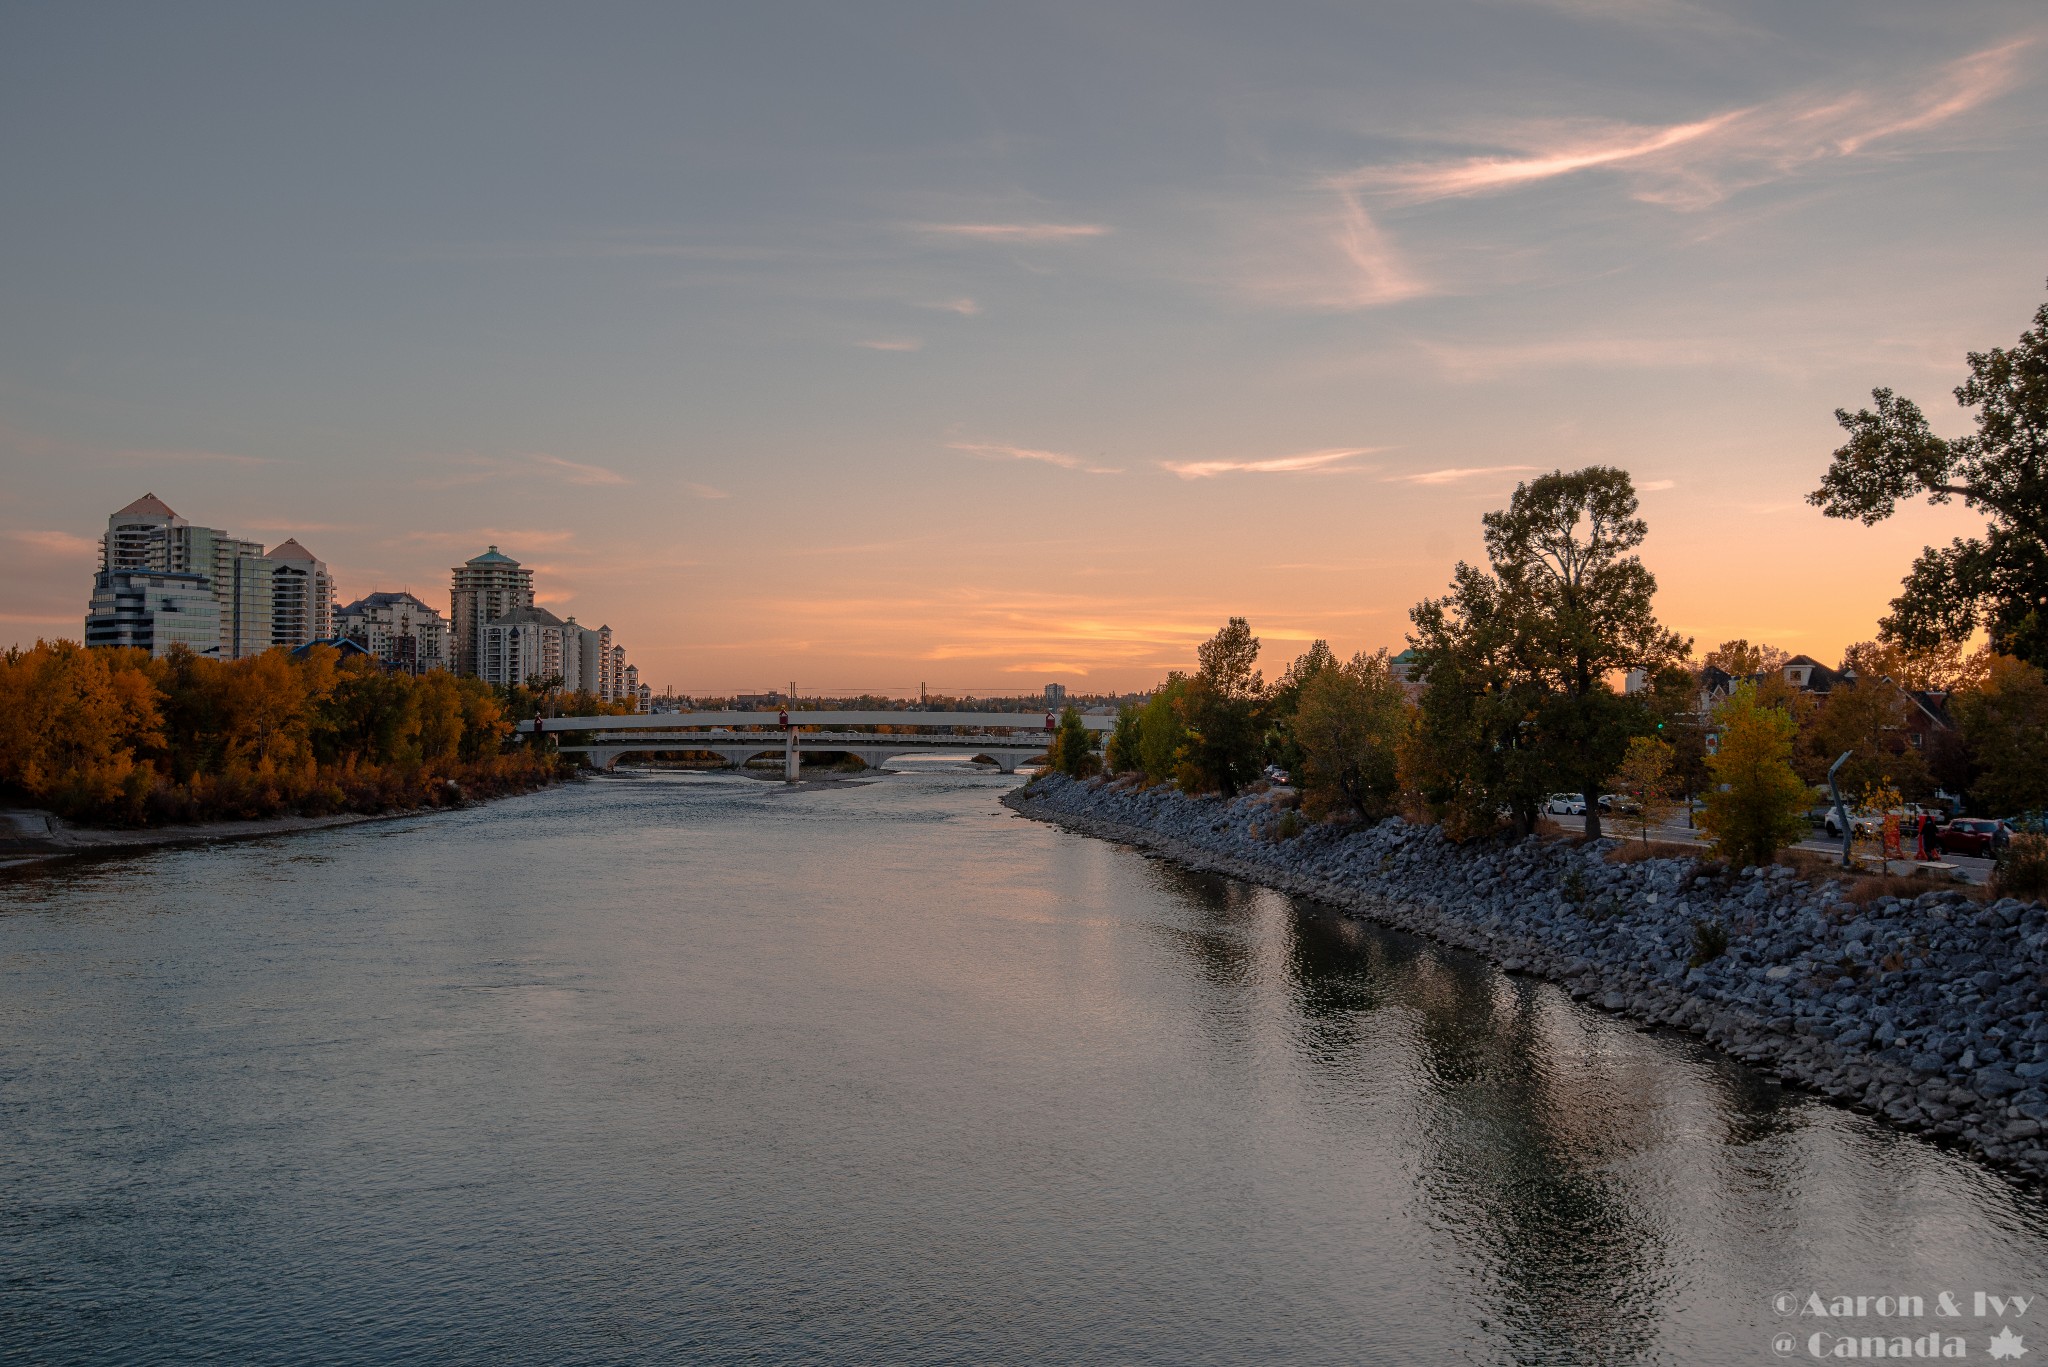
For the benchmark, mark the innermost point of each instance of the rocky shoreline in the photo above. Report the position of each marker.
(1928, 1011)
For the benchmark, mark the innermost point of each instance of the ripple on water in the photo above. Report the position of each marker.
(698, 1068)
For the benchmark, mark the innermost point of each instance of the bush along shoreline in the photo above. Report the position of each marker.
(1928, 1010)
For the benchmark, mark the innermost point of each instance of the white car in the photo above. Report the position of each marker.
(1566, 804)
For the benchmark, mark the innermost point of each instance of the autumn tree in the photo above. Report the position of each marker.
(1284, 698)
(1349, 724)
(1566, 606)
(1865, 718)
(2005, 725)
(1755, 802)
(1741, 659)
(71, 723)
(1942, 667)
(1999, 580)
(1646, 777)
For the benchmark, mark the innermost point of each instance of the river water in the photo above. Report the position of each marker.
(668, 1068)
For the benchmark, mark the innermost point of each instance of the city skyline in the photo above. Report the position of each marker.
(983, 351)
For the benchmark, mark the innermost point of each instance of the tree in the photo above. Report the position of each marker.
(1741, 659)
(1220, 709)
(1285, 697)
(1755, 803)
(1072, 751)
(1122, 753)
(1161, 736)
(1998, 580)
(1646, 778)
(71, 722)
(2005, 725)
(1866, 717)
(1349, 724)
(1943, 667)
(1568, 604)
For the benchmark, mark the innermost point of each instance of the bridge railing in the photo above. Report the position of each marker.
(806, 721)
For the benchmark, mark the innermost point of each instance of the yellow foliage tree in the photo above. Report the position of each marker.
(1755, 801)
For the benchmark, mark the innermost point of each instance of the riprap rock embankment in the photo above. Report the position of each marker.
(1927, 1010)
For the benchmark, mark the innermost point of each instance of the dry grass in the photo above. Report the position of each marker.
(1870, 887)
(1811, 865)
(1635, 851)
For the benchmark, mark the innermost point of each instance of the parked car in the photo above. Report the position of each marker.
(1566, 804)
(1975, 835)
(1619, 802)
(1864, 822)
(1275, 774)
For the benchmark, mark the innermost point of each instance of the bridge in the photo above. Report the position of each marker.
(1008, 738)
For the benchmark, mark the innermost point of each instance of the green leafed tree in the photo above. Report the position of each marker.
(1349, 724)
(1161, 736)
(1755, 803)
(1122, 754)
(1999, 580)
(1072, 751)
(1566, 605)
(1220, 707)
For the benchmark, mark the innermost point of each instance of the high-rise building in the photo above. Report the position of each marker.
(301, 597)
(522, 646)
(153, 610)
(485, 588)
(242, 580)
(1055, 695)
(147, 536)
(398, 629)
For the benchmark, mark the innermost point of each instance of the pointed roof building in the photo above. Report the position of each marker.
(149, 505)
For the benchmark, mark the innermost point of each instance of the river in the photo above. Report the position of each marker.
(668, 1068)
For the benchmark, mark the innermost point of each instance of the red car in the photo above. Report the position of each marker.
(1975, 836)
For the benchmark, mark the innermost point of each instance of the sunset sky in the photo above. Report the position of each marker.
(987, 345)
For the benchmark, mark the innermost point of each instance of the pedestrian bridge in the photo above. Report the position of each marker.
(1008, 738)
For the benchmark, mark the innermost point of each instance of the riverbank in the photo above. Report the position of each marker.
(29, 835)
(1928, 1011)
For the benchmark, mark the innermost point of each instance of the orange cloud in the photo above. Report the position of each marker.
(1308, 462)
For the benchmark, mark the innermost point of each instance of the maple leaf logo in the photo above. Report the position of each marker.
(2007, 1344)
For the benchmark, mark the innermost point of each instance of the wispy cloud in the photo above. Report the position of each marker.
(1651, 486)
(506, 538)
(1015, 232)
(704, 491)
(1328, 462)
(892, 344)
(963, 306)
(36, 446)
(1455, 473)
(1699, 163)
(997, 451)
(56, 543)
(576, 472)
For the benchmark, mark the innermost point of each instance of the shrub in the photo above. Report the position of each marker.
(2022, 870)
(1709, 942)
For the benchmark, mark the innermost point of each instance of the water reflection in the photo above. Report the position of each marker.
(712, 1070)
